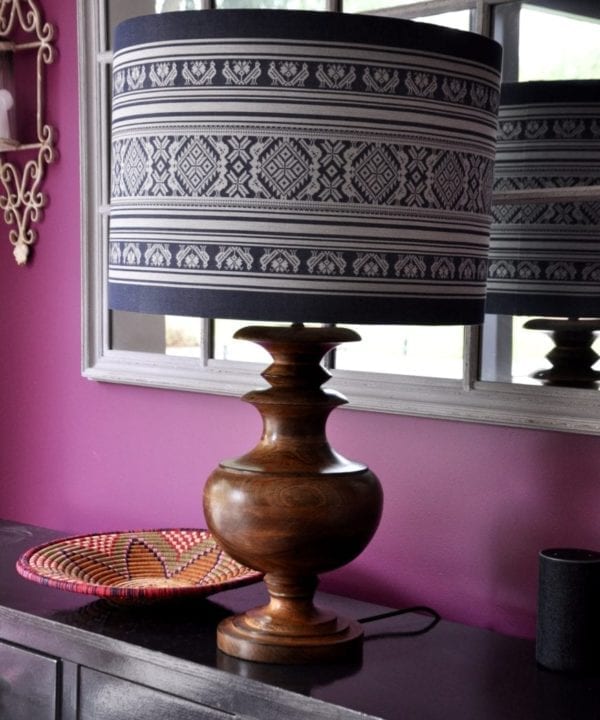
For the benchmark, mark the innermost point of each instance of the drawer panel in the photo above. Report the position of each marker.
(28, 684)
(105, 697)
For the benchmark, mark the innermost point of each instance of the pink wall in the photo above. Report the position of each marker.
(467, 507)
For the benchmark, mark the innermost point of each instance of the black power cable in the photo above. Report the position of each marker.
(421, 609)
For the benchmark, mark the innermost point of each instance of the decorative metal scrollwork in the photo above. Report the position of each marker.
(22, 200)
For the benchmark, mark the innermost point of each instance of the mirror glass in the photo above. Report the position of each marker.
(543, 40)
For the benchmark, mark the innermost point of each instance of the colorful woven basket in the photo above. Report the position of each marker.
(146, 565)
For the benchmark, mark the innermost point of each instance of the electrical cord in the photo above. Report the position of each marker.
(435, 618)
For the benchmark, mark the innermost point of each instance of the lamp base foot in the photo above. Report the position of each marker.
(241, 636)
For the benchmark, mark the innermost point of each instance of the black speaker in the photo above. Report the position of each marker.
(568, 621)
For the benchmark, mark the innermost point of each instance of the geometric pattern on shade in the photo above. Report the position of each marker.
(147, 564)
(545, 257)
(262, 170)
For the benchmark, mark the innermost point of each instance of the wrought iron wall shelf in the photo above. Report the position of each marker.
(22, 199)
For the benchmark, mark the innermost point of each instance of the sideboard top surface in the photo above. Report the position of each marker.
(452, 671)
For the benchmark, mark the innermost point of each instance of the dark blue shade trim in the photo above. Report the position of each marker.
(546, 305)
(298, 308)
(302, 25)
(550, 91)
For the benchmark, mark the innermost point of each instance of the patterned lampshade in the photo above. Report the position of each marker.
(545, 257)
(300, 166)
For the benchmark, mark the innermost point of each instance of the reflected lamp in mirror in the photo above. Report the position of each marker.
(299, 167)
(545, 254)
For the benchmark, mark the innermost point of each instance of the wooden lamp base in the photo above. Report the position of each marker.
(292, 507)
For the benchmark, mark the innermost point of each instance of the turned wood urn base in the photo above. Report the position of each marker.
(292, 507)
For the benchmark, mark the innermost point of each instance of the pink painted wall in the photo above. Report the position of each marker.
(467, 507)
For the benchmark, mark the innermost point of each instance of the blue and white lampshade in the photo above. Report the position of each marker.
(300, 166)
(545, 257)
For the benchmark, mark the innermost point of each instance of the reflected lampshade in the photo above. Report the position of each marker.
(300, 166)
(545, 257)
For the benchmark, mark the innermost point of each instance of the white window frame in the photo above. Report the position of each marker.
(566, 409)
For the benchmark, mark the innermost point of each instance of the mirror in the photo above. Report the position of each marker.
(132, 349)
(543, 40)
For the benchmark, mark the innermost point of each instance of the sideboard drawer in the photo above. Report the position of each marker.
(28, 684)
(106, 697)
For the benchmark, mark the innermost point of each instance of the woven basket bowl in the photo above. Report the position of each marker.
(147, 564)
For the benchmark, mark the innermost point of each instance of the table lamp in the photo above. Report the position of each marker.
(299, 167)
(545, 256)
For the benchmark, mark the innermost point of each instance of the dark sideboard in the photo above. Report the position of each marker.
(72, 657)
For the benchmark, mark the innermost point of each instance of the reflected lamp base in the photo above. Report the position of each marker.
(572, 357)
